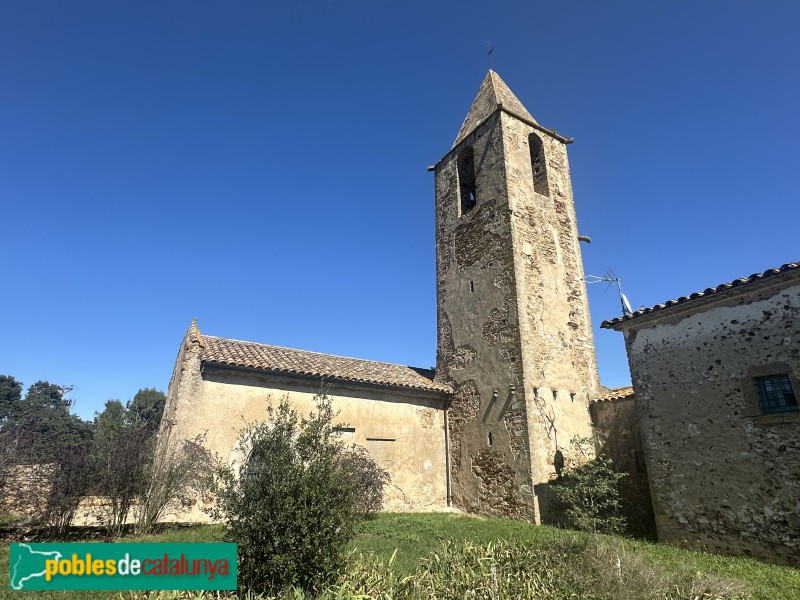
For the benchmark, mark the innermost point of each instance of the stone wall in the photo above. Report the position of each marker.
(25, 490)
(402, 430)
(479, 349)
(723, 476)
(515, 338)
(616, 428)
(558, 355)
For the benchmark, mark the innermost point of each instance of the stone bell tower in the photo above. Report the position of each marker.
(514, 333)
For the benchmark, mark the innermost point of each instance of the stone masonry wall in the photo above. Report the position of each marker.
(722, 475)
(479, 347)
(559, 363)
(185, 385)
(616, 428)
(402, 430)
(515, 337)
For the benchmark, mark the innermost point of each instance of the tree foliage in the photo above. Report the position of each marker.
(10, 397)
(110, 422)
(70, 480)
(296, 499)
(588, 492)
(44, 449)
(146, 408)
(123, 454)
(41, 422)
(50, 458)
(179, 472)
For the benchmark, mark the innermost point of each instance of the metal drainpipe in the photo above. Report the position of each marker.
(447, 456)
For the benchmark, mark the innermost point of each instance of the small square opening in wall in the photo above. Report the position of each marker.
(344, 433)
(775, 394)
(381, 450)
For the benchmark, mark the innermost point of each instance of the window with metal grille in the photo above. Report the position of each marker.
(775, 394)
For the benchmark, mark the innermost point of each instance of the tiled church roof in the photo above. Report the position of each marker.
(722, 287)
(222, 351)
(616, 394)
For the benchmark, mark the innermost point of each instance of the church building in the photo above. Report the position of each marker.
(515, 363)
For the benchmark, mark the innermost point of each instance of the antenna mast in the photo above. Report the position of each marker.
(611, 278)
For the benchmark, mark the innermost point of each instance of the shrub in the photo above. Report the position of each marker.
(589, 495)
(121, 458)
(295, 501)
(69, 482)
(178, 472)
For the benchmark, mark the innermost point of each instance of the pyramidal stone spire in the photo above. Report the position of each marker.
(492, 93)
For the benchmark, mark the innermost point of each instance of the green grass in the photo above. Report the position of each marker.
(414, 536)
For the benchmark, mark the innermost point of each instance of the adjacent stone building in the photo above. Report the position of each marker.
(516, 365)
(716, 377)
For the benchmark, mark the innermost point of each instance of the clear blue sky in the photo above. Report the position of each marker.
(262, 166)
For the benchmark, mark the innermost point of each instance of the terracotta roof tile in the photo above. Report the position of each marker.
(754, 278)
(251, 355)
(616, 394)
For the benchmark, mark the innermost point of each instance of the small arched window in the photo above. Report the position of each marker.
(466, 180)
(538, 165)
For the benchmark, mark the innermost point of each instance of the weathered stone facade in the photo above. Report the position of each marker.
(724, 472)
(616, 428)
(403, 429)
(514, 339)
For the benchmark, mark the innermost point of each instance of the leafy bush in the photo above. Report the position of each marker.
(69, 482)
(589, 493)
(294, 503)
(179, 471)
(129, 472)
(121, 457)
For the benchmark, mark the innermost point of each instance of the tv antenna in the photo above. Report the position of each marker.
(611, 278)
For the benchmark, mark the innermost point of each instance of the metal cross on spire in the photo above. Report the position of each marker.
(489, 50)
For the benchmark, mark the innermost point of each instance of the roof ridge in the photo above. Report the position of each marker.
(710, 291)
(194, 334)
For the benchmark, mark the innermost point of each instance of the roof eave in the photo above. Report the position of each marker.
(440, 390)
(500, 108)
(772, 278)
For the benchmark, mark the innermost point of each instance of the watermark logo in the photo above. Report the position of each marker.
(125, 566)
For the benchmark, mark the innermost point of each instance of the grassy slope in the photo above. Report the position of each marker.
(415, 535)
